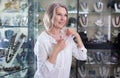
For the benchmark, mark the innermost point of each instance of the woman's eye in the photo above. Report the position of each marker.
(58, 14)
(66, 15)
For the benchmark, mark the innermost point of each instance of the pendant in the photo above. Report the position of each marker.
(84, 6)
(117, 7)
(83, 20)
(98, 6)
(116, 21)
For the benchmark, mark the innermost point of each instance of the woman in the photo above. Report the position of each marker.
(55, 46)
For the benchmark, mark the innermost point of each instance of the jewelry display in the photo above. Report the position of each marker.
(84, 6)
(98, 57)
(99, 37)
(117, 72)
(98, 6)
(99, 22)
(116, 21)
(83, 20)
(14, 47)
(104, 71)
(82, 71)
(117, 7)
(106, 57)
(115, 33)
(9, 69)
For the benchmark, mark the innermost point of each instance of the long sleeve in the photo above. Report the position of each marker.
(44, 67)
(79, 53)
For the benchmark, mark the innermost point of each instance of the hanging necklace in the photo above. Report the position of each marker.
(56, 37)
(14, 47)
(98, 57)
(117, 7)
(84, 6)
(84, 20)
(117, 72)
(98, 6)
(104, 71)
(116, 21)
(82, 71)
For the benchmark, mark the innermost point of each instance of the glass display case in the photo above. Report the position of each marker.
(18, 28)
(97, 23)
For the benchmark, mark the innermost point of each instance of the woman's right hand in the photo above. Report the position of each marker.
(59, 46)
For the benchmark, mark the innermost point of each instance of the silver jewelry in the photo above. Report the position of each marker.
(82, 71)
(99, 22)
(117, 7)
(98, 6)
(83, 20)
(116, 21)
(104, 71)
(84, 6)
(98, 57)
(115, 33)
(14, 47)
(117, 72)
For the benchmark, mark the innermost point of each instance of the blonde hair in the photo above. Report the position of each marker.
(49, 15)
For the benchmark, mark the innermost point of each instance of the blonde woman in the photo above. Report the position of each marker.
(55, 46)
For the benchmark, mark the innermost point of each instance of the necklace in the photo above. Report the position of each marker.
(98, 57)
(98, 6)
(116, 21)
(117, 7)
(82, 71)
(84, 6)
(117, 72)
(84, 20)
(104, 71)
(54, 35)
(14, 47)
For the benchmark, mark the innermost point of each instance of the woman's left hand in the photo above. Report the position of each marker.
(72, 31)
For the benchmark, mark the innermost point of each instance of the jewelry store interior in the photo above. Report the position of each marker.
(96, 21)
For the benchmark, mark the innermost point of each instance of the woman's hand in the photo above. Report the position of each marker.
(59, 46)
(72, 31)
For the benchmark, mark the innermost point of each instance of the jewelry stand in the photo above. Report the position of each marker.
(84, 6)
(117, 72)
(98, 6)
(116, 21)
(82, 70)
(14, 48)
(84, 20)
(117, 7)
(104, 71)
(99, 23)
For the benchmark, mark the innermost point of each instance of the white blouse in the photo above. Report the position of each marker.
(61, 68)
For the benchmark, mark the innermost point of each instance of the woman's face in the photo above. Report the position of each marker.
(60, 18)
